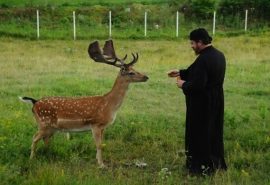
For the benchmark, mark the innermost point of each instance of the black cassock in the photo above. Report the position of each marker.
(203, 90)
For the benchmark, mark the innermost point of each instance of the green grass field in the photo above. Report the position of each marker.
(150, 124)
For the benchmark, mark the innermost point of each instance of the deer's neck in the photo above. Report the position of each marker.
(116, 96)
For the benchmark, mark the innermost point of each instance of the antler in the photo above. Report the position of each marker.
(108, 49)
(135, 58)
(108, 56)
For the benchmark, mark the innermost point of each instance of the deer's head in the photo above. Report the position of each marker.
(108, 56)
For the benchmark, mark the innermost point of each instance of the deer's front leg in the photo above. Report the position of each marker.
(97, 134)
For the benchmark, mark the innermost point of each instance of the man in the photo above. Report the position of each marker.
(202, 85)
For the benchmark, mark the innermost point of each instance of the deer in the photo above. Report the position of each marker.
(85, 113)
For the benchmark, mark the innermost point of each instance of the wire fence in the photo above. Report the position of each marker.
(82, 25)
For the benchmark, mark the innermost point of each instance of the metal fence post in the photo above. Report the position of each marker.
(145, 23)
(74, 26)
(214, 23)
(38, 25)
(177, 23)
(246, 19)
(110, 24)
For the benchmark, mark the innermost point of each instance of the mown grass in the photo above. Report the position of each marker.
(150, 124)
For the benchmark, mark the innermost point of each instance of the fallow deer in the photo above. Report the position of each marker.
(85, 113)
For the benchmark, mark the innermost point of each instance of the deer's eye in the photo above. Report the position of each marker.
(131, 73)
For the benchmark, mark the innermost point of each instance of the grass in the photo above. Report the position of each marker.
(150, 124)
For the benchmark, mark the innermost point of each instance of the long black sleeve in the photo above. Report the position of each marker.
(199, 81)
(183, 74)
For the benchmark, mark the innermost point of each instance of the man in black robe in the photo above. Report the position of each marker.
(202, 85)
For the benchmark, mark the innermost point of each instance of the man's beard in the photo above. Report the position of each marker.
(196, 51)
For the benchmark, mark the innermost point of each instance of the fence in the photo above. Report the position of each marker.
(177, 26)
(145, 24)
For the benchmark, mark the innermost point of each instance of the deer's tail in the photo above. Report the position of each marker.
(28, 100)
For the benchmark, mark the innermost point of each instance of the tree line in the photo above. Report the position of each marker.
(203, 9)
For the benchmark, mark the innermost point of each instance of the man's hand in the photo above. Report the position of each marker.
(173, 73)
(179, 82)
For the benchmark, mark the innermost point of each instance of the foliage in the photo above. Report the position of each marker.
(259, 9)
(198, 9)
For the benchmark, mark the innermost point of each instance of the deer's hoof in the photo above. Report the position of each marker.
(102, 166)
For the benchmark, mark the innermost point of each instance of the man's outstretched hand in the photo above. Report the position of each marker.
(173, 73)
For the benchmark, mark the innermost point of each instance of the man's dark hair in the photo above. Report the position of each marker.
(200, 34)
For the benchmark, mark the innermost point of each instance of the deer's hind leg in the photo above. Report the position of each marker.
(40, 134)
(45, 132)
(46, 138)
(37, 137)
